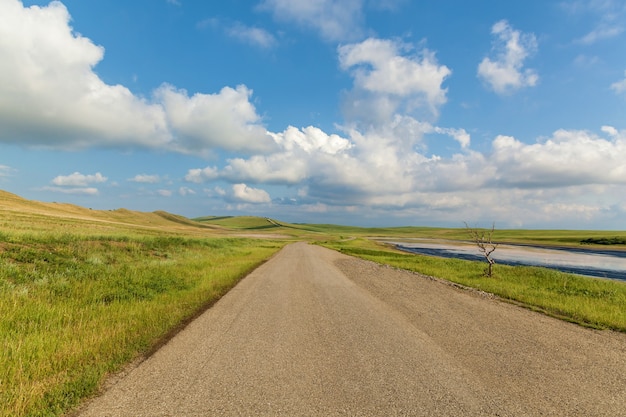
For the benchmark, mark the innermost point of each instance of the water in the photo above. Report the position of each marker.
(590, 262)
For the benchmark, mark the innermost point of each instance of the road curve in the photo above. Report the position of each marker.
(316, 333)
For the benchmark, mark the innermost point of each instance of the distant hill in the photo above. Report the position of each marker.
(14, 205)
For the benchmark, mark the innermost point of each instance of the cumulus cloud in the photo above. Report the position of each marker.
(334, 20)
(505, 74)
(200, 175)
(566, 171)
(52, 96)
(391, 76)
(292, 163)
(79, 180)
(145, 178)
(568, 158)
(311, 139)
(619, 86)
(245, 194)
(225, 120)
(76, 184)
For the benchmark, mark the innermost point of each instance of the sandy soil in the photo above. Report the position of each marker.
(316, 333)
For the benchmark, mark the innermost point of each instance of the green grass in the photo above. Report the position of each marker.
(75, 308)
(238, 222)
(590, 238)
(590, 302)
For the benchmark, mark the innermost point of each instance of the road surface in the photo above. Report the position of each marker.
(316, 333)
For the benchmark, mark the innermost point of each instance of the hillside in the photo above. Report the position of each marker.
(19, 213)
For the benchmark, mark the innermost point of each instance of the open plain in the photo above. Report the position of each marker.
(313, 332)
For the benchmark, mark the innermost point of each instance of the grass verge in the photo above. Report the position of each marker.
(597, 303)
(75, 308)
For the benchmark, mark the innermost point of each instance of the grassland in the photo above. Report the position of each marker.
(83, 293)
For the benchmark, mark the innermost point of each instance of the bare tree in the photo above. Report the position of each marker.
(483, 239)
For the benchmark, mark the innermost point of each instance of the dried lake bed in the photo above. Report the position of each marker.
(584, 261)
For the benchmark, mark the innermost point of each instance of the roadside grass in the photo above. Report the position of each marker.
(597, 303)
(75, 307)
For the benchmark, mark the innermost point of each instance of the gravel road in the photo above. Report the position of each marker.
(316, 333)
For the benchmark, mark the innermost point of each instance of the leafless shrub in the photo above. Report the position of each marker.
(483, 239)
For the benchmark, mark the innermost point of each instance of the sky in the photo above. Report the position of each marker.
(355, 112)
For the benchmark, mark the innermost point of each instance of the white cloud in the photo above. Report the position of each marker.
(243, 193)
(310, 139)
(380, 68)
(378, 162)
(570, 171)
(460, 135)
(89, 191)
(225, 120)
(251, 35)
(601, 33)
(334, 20)
(51, 96)
(78, 180)
(183, 191)
(201, 175)
(299, 148)
(568, 158)
(5, 171)
(146, 179)
(609, 16)
(165, 193)
(278, 168)
(619, 86)
(506, 74)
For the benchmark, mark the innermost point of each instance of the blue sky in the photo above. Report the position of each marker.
(361, 112)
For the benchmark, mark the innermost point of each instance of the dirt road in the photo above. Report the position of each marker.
(316, 333)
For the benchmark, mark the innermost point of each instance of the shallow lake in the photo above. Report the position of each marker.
(590, 262)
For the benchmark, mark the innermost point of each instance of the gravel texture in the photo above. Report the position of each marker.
(316, 333)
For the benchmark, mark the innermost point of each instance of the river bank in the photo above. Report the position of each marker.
(600, 263)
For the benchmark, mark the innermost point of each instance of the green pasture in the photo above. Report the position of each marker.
(589, 238)
(82, 297)
(75, 309)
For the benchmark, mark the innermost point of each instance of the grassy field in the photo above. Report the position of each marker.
(82, 293)
(574, 238)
